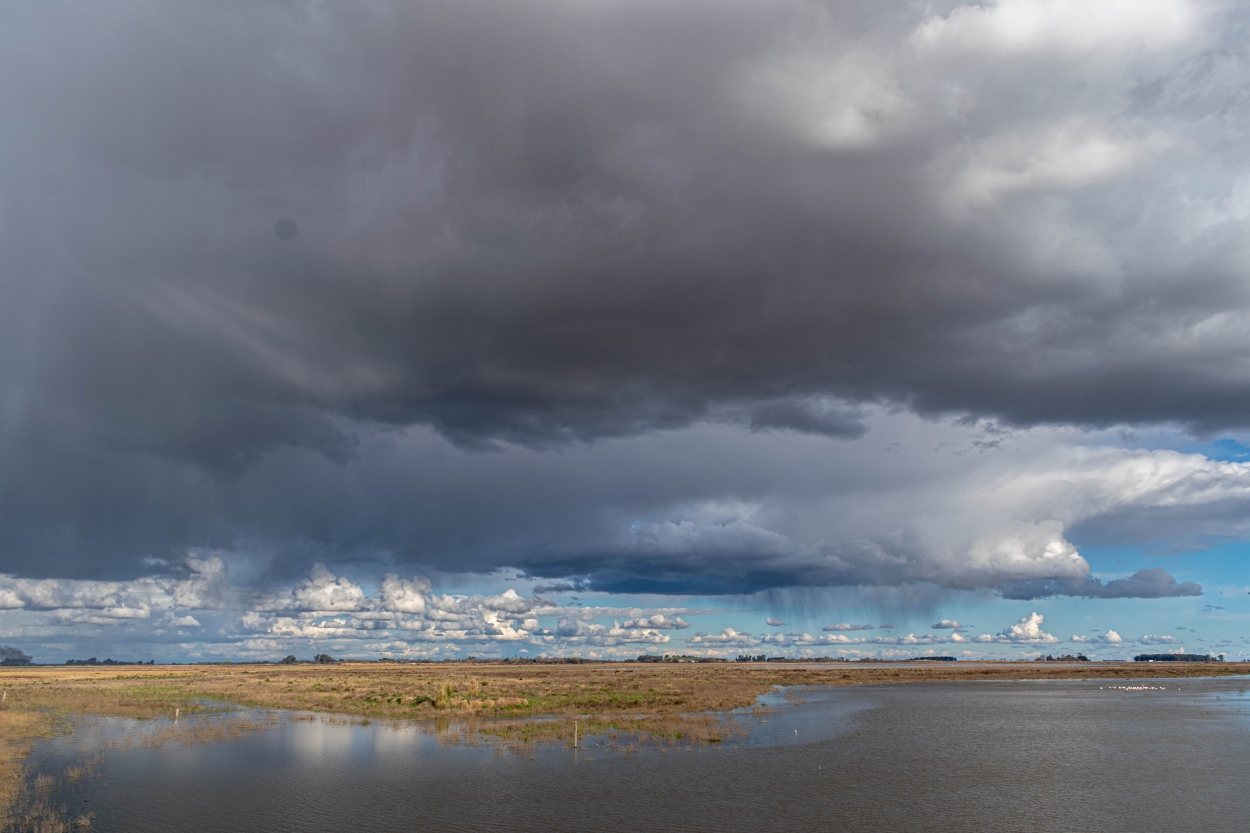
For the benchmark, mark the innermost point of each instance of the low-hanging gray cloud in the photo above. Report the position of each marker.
(1155, 583)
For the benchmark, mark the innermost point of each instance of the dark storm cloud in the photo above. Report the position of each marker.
(540, 223)
(1143, 584)
(559, 587)
(238, 230)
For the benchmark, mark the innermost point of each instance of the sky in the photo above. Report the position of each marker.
(446, 329)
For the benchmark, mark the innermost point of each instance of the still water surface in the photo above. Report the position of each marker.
(989, 756)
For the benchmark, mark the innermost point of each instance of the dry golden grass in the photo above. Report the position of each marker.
(381, 690)
(661, 701)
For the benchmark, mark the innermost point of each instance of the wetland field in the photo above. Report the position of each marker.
(533, 708)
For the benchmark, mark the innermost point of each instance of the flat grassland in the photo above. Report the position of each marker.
(652, 700)
(385, 690)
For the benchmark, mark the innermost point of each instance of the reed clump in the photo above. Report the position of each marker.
(674, 729)
(29, 805)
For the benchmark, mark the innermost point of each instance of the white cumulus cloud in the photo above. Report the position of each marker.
(1028, 631)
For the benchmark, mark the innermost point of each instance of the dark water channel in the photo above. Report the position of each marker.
(1028, 756)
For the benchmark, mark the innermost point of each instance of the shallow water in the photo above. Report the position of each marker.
(988, 756)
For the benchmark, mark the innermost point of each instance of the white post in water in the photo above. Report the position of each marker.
(574, 734)
(176, 714)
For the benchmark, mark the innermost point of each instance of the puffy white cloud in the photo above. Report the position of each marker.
(291, 627)
(509, 601)
(847, 626)
(407, 612)
(1154, 639)
(946, 624)
(578, 632)
(731, 638)
(1028, 631)
(805, 639)
(657, 621)
(773, 623)
(321, 591)
(1108, 638)
(728, 637)
(201, 586)
(922, 639)
(404, 596)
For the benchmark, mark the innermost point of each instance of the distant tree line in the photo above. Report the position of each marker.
(1063, 658)
(1177, 658)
